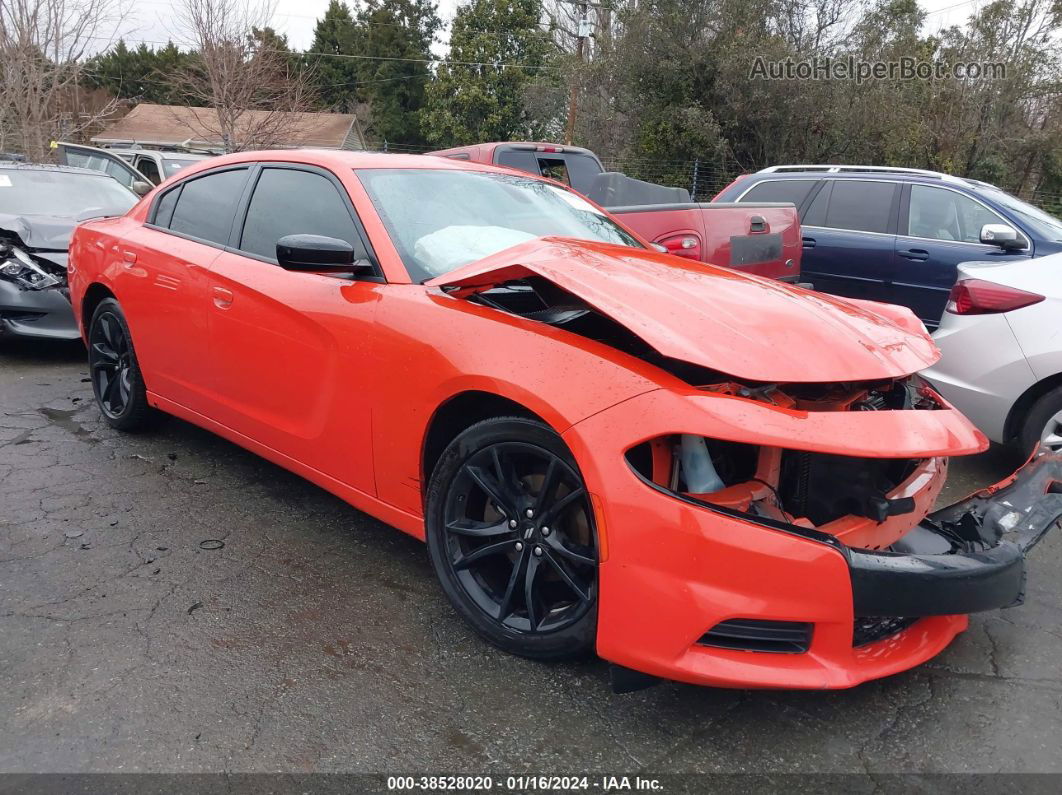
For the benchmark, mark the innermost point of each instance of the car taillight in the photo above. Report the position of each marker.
(734, 182)
(688, 246)
(978, 297)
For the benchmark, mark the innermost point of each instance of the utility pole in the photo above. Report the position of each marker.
(573, 99)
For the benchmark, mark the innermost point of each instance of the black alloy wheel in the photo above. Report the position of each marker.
(513, 541)
(115, 373)
(109, 358)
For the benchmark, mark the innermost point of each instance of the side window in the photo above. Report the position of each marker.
(780, 190)
(940, 214)
(293, 202)
(120, 172)
(860, 205)
(149, 168)
(86, 160)
(815, 215)
(164, 209)
(206, 205)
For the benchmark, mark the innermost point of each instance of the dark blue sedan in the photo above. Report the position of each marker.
(897, 235)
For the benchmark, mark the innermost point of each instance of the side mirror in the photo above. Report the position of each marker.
(141, 188)
(317, 253)
(1006, 237)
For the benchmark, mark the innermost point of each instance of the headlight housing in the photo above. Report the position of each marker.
(19, 267)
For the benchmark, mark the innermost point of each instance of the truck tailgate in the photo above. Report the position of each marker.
(756, 238)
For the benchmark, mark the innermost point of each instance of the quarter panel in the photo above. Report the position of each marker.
(1038, 329)
(159, 281)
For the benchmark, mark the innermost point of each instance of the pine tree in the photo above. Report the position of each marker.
(394, 37)
(336, 78)
(139, 74)
(496, 49)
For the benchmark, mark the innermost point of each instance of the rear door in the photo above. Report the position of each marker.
(292, 351)
(940, 227)
(164, 279)
(849, 232)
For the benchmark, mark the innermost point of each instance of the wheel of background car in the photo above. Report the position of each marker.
(1043, 423)
(115, 372)
(512, 539)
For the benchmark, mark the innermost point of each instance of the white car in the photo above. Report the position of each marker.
(1001, 345)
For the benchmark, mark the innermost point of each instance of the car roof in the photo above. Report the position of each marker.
(340, 159)
(164, 154)
(7, 165)
(870, 173)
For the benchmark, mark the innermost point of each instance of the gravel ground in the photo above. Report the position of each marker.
(315, 638)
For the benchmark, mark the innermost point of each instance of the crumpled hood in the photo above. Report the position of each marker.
(39, 232)
(741, 325)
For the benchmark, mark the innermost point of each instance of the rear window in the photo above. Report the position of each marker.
(860, 205)
(780, 190)
(207, 204)
(571, 168)
(518, 158)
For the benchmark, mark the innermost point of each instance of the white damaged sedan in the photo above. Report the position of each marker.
(1001, 340)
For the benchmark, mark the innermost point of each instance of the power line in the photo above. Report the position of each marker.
(155, 81)
(441, 61)
(949, 8)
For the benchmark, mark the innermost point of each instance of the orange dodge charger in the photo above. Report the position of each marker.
(699, 474)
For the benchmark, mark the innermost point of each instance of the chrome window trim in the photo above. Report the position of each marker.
(741, 195)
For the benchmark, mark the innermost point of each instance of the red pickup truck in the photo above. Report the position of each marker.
(759, 238)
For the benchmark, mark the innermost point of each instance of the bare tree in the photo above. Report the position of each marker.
(43, 44)
(247, 81)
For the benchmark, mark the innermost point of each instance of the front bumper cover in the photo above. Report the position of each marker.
(37, 313)
(966, 558)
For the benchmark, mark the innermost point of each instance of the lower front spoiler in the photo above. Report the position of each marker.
(37, 313)
(966, 558)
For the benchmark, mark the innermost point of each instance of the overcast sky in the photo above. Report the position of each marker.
(152, 20)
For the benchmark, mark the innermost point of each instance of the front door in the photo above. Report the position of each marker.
(292, 352)
(98, 160)
(939, 228)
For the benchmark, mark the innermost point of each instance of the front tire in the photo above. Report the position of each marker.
(115, 372)
(512, 539)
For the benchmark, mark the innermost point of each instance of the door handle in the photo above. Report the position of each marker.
(129, 256)
(222, 298)
(916, 254)
(757, 224)
(807, 242)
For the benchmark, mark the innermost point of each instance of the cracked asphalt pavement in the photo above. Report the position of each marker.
(314, 638)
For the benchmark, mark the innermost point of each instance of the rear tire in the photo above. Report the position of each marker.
(512, 540)
(115, 372)
(1043, 423)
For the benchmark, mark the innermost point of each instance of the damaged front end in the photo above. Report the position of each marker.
(34, 297)
(905, 562)
(768, 509)
(894, 579)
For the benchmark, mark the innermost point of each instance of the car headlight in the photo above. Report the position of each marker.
(17, 266)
